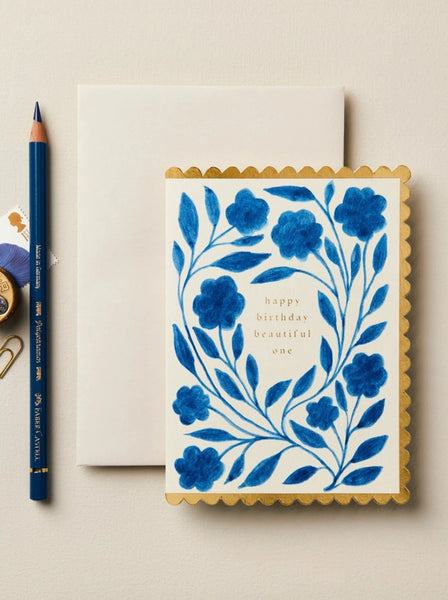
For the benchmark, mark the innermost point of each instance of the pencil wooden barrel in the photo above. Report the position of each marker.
(38, 311)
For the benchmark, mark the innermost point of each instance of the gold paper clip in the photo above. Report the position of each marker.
(13, 354)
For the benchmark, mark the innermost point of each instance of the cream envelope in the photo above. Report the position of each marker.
(127, 137)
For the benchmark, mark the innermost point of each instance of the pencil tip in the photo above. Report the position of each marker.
(37, 116)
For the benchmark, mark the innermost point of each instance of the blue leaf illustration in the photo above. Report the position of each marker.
(380, 254)
(326, 356)
(371, 415)
(378, 299)
(371, 333)
(275, 392)
(329, 192)
(212, 206)
(178, 257)
(275, 274)
(331, 251)
(262, 471)
(248, 240)
(188, 220)
(183, 351)
(228, 385)
(240, 261)
(340, 396)
(326, 309)
(307, 436)
(362, 476)
(237, 341)
(237, 469)
(301, 475)
(292, 192)
(369, 448)
(252, 371)
(304, 383)
(213, 435)
(355, 261)
(206, 342)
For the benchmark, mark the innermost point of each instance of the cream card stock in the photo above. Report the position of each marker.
(286, 335)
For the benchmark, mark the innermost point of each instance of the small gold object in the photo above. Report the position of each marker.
(9, 295)
(13, 354)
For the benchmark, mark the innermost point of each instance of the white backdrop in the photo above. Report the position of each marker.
(108, 533)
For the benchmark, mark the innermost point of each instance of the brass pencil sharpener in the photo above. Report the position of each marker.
(9, 295)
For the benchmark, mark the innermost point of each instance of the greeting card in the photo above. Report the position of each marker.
(286, 335)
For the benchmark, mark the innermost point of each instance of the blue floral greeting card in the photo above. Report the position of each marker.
(286, 335)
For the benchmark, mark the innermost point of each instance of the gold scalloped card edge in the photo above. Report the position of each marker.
(400, 172)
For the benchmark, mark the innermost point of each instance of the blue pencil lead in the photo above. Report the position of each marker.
(37, 116)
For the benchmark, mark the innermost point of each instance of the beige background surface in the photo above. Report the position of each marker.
(108, 533)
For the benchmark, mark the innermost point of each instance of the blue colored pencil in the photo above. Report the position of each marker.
(38, 310)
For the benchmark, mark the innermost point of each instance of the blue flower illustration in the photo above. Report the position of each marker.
(322, 414)
(191, 404)
(219, 304)
(360, 213)
(365, 375)
(198, 468)
(297, 234)
(331, 437)
(247, 213)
